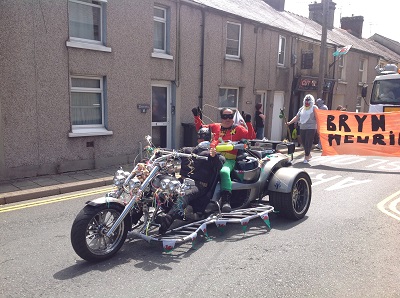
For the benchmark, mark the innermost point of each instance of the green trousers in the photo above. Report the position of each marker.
(225, 174)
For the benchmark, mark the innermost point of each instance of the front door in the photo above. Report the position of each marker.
(161, 114)
(277, 123)
(261, 97)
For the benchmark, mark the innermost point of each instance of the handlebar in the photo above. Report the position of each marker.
(168, 154)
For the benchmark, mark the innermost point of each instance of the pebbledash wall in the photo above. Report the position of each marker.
(38, 61)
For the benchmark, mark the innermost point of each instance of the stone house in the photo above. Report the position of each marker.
(83, 81)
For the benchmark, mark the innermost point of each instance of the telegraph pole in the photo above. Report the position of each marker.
(323, 58)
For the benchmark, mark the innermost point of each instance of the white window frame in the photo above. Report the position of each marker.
(239, 40)
(362, 73)
(164, 22)
(342, 68)
(282, 50)
(90, 129)
(90, 44)
(226, 98)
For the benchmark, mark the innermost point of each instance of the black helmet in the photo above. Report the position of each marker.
(204, 133)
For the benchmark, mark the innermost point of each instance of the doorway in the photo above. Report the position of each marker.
(277, 123)
(261, 97)
(161, 114)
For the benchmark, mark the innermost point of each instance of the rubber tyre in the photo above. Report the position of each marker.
(293, 205)
(89, 228)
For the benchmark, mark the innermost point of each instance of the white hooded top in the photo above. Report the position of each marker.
(306, 113)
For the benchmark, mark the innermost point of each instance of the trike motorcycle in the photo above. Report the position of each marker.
(263, 181)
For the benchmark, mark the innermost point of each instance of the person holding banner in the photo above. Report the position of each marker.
(308, 124)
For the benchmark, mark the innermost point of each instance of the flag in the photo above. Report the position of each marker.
(342, 51)
(238, 119)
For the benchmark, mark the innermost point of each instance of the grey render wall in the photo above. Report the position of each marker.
(34, 83)
(35, 104)
(36, 66)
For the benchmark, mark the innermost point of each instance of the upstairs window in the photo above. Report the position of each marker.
(233, 33)
(281, 50)
(341, 68)
(228, 97)
(86, 20)
(307, 59)
(362, 74)
(160, 30)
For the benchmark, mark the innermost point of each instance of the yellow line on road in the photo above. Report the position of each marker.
(381, 206)
(53, 200)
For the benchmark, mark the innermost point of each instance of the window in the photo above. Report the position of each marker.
(87, 106)
(281, 52)
(307, 60)
(160, 30)
(86, 20)
(341, 68)
(362, 75)
(233, 32)
(228, 97)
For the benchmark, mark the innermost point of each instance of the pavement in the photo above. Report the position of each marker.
(12, 191)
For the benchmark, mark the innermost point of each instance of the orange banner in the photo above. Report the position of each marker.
(359, 133)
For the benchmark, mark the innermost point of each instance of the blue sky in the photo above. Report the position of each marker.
(380, 17)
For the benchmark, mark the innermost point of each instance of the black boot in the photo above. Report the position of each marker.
(226, 201)
(211, 208)
(165, 223)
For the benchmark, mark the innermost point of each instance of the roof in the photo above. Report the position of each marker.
(260, 12)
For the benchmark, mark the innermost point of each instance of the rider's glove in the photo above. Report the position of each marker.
(197, 112)
(247, 118)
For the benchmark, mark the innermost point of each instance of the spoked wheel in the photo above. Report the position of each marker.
(88, 232)
(293, 205)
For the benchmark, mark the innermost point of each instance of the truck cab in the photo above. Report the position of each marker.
(385, 96)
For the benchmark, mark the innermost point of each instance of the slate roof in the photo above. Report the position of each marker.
(260, 12)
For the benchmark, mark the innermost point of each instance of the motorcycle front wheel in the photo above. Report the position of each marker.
(88, 232)
(295, 204)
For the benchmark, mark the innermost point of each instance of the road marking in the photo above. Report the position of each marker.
(53, 200)
(392, 206)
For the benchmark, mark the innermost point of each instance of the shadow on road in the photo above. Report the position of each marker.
(150, 256)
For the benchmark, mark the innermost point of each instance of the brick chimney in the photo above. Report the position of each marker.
(315, 13)
(353, 25)
(278, 5)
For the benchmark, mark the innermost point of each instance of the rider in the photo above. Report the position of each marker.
(226, 131)
(203, 172)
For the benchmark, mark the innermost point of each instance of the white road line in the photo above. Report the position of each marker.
(392, 205)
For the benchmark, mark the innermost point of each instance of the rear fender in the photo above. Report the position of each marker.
(104, 200)
(283, 179)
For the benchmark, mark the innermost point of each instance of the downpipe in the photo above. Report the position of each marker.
(133, 201)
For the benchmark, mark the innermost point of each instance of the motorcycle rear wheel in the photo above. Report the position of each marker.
(88, 232)
(295, 204)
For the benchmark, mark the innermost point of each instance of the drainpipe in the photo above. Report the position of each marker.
(202, 58)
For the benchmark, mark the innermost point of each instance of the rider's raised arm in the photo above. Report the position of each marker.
(251, 134)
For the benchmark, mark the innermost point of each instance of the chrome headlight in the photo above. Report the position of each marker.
(119, 177)
(164, 183)
(174, 186)
(134, 183)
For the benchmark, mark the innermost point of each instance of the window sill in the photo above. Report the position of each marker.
(88, 46)
(89, 132)
(237, 59)
(162, 56)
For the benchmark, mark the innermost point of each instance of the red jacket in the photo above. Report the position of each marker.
(234, 134)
